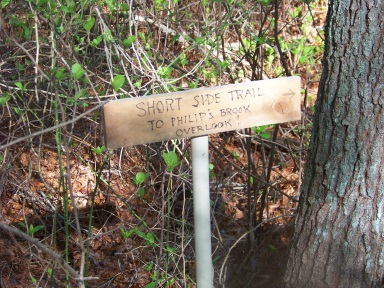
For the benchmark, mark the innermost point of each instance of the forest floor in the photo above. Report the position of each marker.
(113, 257)
(140, 233)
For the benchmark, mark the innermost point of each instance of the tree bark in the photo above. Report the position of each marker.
(338, 239)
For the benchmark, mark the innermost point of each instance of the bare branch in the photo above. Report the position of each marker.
(53, 127)
(57, 257)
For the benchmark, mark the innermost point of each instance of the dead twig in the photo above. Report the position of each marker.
(56, 256)
(53, 127)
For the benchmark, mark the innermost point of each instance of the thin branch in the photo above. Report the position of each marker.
(57, 257)
(276, 32)
(241, 170)
(53, 127)
(241, 237)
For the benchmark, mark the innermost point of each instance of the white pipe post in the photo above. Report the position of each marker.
(202, 215)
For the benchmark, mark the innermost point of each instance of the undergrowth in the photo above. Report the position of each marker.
(123, 217)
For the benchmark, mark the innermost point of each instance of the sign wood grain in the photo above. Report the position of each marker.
(201, 111)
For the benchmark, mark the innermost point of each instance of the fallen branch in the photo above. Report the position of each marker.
(56, 256)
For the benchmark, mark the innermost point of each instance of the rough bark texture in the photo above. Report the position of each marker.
(339, 231)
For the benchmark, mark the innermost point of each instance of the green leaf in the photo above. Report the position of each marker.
(137, 84)
(89, 24)
(96, 41)
(184, 61)
(19, 66)
(259, 40)
(98, 150)
(129, 41)
(151, 285)
(17, 111)
(193, 85)
(111, 4)
(60, 74)
(141, 192)
(70, 8)
(124, 7)
(41, 2)
(159, 4)
(262, 131)
(77, 70)
(118, 81)
(140, 234)
(140, 178)
(4, 3)
(149, 267)
(302, 59)
(171, 249)
(108, 36)
(150, 239)
(224, 64)
(81, 94)
(33, 230)
(127, 234)
(211, 167)
(141, 35)
(4, 99)
(27, 33)
(265, 135)
(264, 2)
(171, 160)
(82, 104)
(14, 21)
(216, 258)
(19, 85)
(164, 71)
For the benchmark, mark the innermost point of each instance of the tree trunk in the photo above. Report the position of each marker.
(338, 240)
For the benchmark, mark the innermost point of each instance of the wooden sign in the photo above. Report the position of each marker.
(201, 111)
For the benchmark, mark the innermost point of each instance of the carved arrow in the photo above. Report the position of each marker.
(291, 94)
